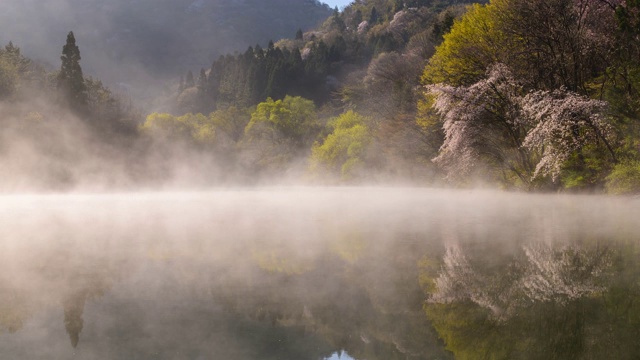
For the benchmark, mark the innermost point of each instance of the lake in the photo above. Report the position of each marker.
(319, 273)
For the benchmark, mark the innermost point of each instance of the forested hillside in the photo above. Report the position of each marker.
(137, 45)
(531, 95)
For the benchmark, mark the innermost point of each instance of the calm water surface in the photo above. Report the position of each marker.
(319, 273)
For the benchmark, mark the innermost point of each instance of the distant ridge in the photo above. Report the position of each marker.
(126, 41)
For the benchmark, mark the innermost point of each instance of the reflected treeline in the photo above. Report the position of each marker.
(62, 280)
(369, 304)
(298, 274)
(572, 298)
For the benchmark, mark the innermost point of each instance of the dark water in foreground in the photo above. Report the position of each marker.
(307, 273)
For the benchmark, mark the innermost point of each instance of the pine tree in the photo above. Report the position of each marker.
(189, 81)
(202, 80)
(373, 18)
(70, 79)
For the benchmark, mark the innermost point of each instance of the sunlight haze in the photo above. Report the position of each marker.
(319, 179)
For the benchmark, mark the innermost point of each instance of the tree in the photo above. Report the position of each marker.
(564, 124)
(231, 121)
(70, 78)
(546, 43)
(291, 119)
(482, 125)
(8, 77)
(472, 45)
(342, 153)
(189, 81)
(373, 17)
(13, 58)
(493, 123)
(277, 133)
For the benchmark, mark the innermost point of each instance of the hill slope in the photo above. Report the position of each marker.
(143, 41)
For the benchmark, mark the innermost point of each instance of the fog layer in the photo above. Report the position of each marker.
(244, 274)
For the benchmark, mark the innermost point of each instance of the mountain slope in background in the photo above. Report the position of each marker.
(139, 44)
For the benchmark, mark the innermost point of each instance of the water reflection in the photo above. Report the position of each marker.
(315, 273)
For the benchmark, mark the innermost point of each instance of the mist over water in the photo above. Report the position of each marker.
(293, 272)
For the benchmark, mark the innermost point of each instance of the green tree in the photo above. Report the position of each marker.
(8, 78)
(548, 43)
(189, 128)
(292, 119)
(473, 44)
(231, 121)
(279, 132)
(343, 152)
(374, 16)
(70, 79)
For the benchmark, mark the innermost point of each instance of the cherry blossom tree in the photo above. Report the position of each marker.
(492, 123)
(483, 125)
(562, 124)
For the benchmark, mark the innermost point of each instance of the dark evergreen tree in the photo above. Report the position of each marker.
(203, 100)
(70, 78)
(373, 18)
(337, 22)
(189, 81)
(356, 20)
(299, 34)
(202, 81)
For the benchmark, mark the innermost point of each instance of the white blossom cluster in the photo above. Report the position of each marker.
(561, 124)
(493, 122)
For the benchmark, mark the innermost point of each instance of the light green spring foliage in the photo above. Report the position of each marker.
(14, 68)
(194, 127)
(625, 178)
(473, 43)
(278, 133)
(342, 152)
(292, 119)
(231, 121)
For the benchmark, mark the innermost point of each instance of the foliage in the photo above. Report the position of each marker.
(511, 93)
(15, 70)
(533, 135)
(291, 119)
(231, 121)
(624, 178)
(548, 43)
(467, 51)
(483, 123)
(342, 152)
(563, 124)
(197, 128)
(70, 78)
(278, 133)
